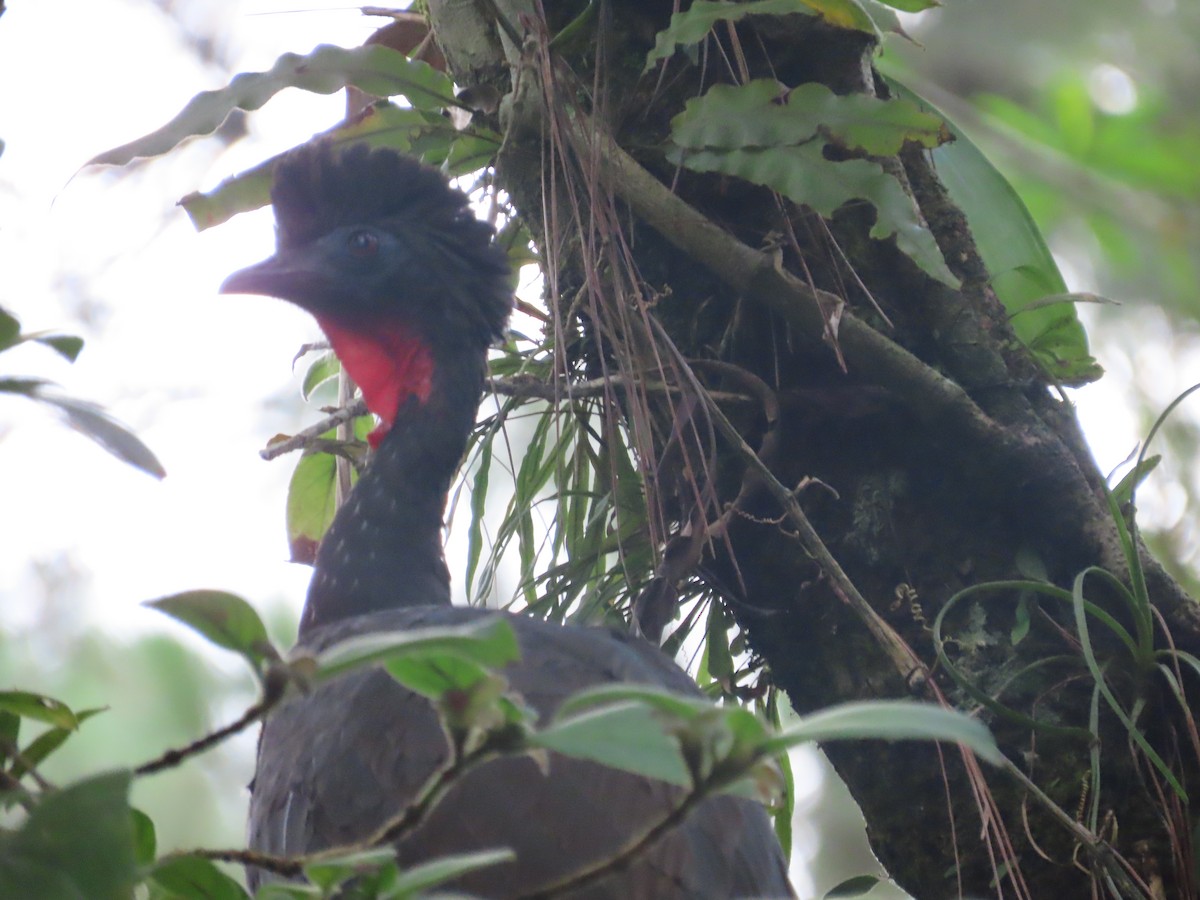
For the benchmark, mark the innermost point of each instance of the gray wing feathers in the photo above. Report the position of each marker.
(335, 765)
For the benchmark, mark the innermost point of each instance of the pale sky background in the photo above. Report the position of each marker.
(204, 380)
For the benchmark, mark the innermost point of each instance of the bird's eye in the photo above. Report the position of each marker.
(363, 244)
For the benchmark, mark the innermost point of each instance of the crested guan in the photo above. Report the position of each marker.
(411, 291)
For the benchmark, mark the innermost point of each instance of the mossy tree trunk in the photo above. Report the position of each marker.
(936, 454)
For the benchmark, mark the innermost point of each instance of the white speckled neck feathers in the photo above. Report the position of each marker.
(384, 548)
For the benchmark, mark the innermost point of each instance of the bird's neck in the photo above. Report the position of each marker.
(384, 547)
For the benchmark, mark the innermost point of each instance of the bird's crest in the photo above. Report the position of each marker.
(319, 187)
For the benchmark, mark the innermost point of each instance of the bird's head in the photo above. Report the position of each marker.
(390, 260)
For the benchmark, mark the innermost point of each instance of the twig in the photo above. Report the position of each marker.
(1027, 451)
(1108, 859)
(597, 870)
(272, 693)
(526, 386)
(907, 664)
(406, 820)
(409, 818)
(303, 438)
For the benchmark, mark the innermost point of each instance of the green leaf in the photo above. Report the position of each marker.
(911, 5)
(329, 873)
(716, 638)
(1123, 492)
(323, 368)
(225, 619)
(844, 14)
(274, 890)
(381, 125)
(65, 345)
(802, 174)
(890, 720)
(26, 387)
(627, 736)
(10, 329)
(194, 878)
(467, 695)
(40, 708)
(311, 504)
(852, 887)
(42, 746)
(418, 879)
(479, 493)
(745, 132)
(783, 812)
(691, 26)
(659, 699)
(373, 68)
(237, 194)
(312, 494)
(434, 674)
(145, 840)
(1022, 618)
(488, 642)
(92, 422)
(737, 117)
(78, 842)
(10, 730)
(1014, 251)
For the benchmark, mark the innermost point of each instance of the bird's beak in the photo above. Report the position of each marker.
(269, 277)
(288, 275)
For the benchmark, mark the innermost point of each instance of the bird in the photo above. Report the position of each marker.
(411, 290)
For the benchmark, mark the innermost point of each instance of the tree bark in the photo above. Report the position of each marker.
(944, 457)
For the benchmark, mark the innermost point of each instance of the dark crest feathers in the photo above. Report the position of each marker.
(319, 187)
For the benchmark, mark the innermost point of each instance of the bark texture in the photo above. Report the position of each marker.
(952, 460)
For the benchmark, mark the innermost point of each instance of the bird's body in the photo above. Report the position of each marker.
(374, 741)
(410, 291)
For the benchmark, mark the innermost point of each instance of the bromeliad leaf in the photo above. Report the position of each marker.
(375, 69)
(804, 175)
(732, 117)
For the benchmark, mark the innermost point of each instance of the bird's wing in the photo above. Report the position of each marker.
(335, 765)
